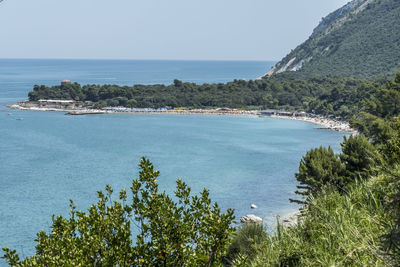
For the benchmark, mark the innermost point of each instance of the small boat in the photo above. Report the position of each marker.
(19, 119)
(9, 114)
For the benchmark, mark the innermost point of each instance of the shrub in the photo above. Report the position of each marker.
(335, 230)
(246, 241)
(188, 232)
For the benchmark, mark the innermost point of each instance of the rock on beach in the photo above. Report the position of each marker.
(251, 218)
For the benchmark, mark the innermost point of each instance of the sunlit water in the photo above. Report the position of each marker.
(48, 158)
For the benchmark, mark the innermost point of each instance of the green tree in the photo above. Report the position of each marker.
(188, 232)
(359, 157)
(391, 148)
(392, 204)
(270, 101)
(319, 167)
(178, 83)
(131, 103)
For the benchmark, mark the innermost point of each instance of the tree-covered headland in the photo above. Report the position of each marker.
(326, 96)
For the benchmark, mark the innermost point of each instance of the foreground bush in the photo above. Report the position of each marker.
(335, 230)
(246, 242)
(188, 232)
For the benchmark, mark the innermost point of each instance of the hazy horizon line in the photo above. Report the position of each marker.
(132, 59)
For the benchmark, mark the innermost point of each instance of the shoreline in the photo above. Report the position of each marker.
(288, 219)
(324, 122)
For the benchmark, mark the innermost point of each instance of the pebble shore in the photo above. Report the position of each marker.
(324, 122)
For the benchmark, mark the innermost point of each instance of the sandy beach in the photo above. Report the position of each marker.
(324, 122)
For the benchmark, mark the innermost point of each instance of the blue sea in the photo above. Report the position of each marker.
(48, 158)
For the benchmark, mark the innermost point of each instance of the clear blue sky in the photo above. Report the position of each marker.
(158, 29)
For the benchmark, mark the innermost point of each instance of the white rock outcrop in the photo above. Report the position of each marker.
(251, 218)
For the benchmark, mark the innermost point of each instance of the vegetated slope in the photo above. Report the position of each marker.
(360, 39)
(339, 96)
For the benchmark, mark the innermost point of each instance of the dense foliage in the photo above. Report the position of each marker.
(321, 167)
(360, 100)
(360, 42)
(335, 230)
(339, 96)
(359, 157)
(188, 232)
(318, 168)
(247, 241)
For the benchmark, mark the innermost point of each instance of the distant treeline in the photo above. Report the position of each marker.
(331, 95)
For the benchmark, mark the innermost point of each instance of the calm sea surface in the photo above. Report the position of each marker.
(48, 158)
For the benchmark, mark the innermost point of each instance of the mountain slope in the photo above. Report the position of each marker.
(360, 39)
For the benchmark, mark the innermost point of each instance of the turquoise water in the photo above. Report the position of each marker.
(48, 158)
